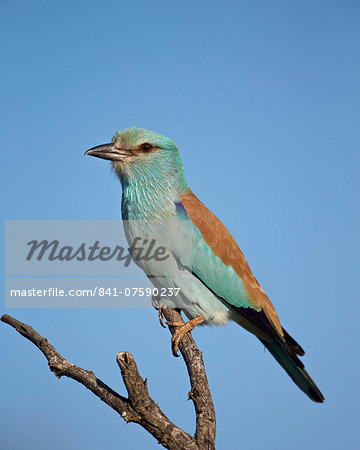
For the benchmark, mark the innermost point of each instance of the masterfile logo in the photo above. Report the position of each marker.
(91, 263)
(86, 248)
(140, 249)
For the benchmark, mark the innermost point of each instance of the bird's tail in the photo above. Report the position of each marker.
(294, 367)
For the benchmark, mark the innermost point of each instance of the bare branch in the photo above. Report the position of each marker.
(200, 392)
(138, 407)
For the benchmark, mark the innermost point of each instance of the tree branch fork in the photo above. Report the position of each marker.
(139, 407)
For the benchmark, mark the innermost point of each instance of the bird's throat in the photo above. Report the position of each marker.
(151, 194)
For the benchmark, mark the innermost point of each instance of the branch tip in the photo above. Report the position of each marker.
(124, 359)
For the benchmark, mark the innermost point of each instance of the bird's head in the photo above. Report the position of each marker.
(135, 152)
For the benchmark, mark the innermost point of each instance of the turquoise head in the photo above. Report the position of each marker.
(147, 163)
(138, 152)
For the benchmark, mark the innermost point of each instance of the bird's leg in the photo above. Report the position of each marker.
(160, 307)
(181, 327)
(181, 330)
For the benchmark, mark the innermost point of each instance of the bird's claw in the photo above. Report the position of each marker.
(154, 303)
(161, 316)
(181, 330)
(160, 308)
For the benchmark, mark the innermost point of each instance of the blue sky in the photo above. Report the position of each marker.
(262, 99)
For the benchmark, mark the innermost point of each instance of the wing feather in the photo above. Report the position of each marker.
(224, 247)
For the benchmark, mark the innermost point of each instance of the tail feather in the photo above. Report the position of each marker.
(295, 368)
(284, 349)
(292, 344)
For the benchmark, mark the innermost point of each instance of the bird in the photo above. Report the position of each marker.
(205, 264)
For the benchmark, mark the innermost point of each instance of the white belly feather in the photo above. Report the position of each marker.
(194, 298)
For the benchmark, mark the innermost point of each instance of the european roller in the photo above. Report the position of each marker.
(214, 281)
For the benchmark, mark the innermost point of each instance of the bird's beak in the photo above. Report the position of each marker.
(108, 151)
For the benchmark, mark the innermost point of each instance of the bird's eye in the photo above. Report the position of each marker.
(146, 147)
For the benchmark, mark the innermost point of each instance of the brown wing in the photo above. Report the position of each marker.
(225, 247)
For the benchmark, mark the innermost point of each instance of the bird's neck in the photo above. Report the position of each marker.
(150, 193)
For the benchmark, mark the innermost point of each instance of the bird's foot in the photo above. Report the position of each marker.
(181, 330)
(155, 302)
(161, 315)
(160, 308)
